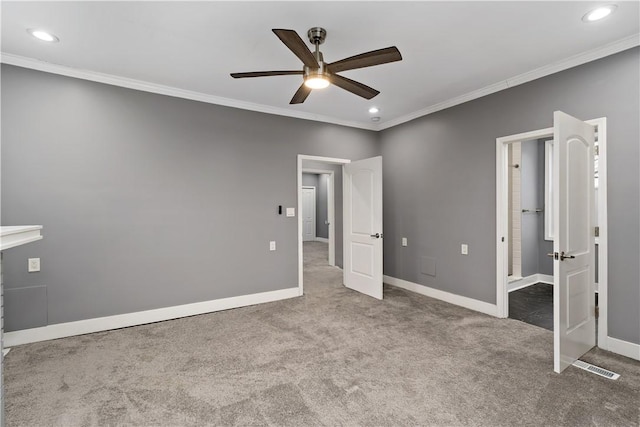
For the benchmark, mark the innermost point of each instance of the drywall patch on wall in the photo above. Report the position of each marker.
(428, 266)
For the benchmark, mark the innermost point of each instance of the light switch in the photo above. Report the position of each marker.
(291, 211)
(34, 265)
(404, 241)
(464, 249)
(272, 245)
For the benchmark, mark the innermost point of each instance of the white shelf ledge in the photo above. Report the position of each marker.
(16, 235)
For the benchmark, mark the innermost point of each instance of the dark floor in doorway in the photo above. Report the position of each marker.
(533, 305)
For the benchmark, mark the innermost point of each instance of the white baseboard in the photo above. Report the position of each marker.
(530, 280)
(624, 348)
(322, 239)
(470, 303)
(99, 324)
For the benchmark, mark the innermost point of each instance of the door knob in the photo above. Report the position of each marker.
(553, 255)
(563, 256)
(377, 235)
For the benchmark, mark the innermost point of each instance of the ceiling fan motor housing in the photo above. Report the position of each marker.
(316, 72)
(317, 35)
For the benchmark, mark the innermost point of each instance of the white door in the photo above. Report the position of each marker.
(308, 214)
(574, 256)
(362, 183)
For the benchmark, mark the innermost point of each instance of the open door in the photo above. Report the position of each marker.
(362, 181)
(574, 256)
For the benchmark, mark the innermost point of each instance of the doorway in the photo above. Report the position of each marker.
(355, 233)
(506, 163)
(530, 270)
(330, 170)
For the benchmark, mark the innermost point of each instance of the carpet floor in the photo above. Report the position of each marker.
(332, 357)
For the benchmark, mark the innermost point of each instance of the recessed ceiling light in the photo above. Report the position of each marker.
(43, 35)
(375, 119)
(599, 13)
(373, 110)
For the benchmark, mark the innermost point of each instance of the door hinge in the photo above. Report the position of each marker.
(597, 149)
(596, 312)
(597, 232)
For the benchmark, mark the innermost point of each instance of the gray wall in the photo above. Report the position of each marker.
(322, 228)
(439, 181)
(149, 201)
(310, 180)
(319, 182)
(534, 247)
(545, 263)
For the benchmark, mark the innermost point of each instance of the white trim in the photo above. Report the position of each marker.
(501, 226)
(573, 61)
(99, 324)
(624, 348)
(16, 235)
(470, 303)
(530, 280)
(322, 239)
(332, 239)
(565, 64)
(110, 79)
(603, 239)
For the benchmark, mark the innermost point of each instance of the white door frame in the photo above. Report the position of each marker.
(502, 200)
(310, 187)
(331, 208)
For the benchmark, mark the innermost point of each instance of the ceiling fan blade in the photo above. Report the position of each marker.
(264, 74)
(293, 41)
(353, 86)
(300, 95)
(375, 57)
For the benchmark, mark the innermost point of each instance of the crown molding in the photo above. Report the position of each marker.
(110, 79)
(556, 67)
(573, 61)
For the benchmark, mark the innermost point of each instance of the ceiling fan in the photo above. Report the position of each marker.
(316, 73)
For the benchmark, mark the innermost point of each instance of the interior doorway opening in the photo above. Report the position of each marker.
(324, 174)
(515, 209)
(530, 270)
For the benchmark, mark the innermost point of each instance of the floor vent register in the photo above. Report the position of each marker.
(596, 370)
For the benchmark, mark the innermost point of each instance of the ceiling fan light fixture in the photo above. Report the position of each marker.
(374, 110)
(599, 13)
(316, 82)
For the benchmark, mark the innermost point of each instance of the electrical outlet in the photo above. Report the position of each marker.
(272, 245)
(404, 241)
(464, 249)
(34, 265)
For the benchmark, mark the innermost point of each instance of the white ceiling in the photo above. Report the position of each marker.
(452, 50)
